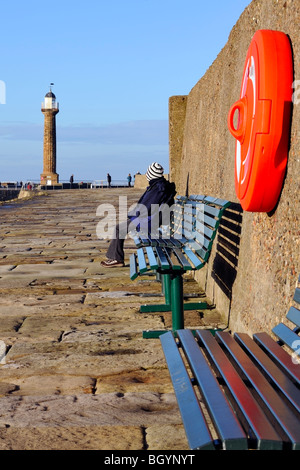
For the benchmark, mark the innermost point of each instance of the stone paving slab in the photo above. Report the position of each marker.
(77, 373)
(53, 270)
(109, 409)
(72, 438)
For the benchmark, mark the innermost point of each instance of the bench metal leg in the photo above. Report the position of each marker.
(166, 285)
(177, 302)
(166, 290)
(174, 285)
(166, 307)
(173, 291)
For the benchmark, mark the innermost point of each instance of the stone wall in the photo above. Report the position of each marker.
(8, 194)
(177, 109)
(255, 285)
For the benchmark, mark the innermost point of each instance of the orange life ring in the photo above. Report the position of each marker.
(264, 112)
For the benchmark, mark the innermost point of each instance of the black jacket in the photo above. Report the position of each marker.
(160, 191)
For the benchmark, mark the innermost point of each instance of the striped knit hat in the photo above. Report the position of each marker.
(155, 170)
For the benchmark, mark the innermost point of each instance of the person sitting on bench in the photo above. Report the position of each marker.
(160, 191)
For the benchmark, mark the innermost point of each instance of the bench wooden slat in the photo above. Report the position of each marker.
(289, 390)
(225, 421)
(190, 245)
(201, 251)
(178, 204)
(297, 295)
(153, 241)
(199, 243)
(182, 259)
(188, 214)
(195, 260)
(211, 210)
(162, 259)
(254, 417)
(204, 238)
(141, 240)
(188, 234)
(210, 221)
(181, 198)
(151, 257)
(294, 316)
(198, 434)
(165, 243)
(278, 355)
(217, 201)
(197, 197)
(141, 260)
(137, 241)
(178, 241)
(203, 230)
(188, 226)
(287, 336)
(188, 218)
(158, 242)
(175, 242)
(145, 241)
(133, 267)
(173, 260)
(274, 406)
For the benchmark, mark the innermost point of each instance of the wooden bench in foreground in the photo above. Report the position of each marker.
(186, 247)
(238, 392)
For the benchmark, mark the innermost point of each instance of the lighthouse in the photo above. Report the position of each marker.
(49, 108)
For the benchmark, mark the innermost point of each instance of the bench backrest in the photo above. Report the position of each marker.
(195, 222)
(289, 336)
(185, 244)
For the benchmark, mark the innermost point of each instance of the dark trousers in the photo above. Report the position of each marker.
(116, 246)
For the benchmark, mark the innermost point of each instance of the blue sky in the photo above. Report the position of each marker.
(114, 65)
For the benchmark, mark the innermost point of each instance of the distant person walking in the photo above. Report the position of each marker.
(129, 179)
(108, 180)
(71, 180)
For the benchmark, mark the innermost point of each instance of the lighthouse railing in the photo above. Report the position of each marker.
(55, 106)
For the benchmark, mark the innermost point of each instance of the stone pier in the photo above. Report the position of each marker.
(76, 373)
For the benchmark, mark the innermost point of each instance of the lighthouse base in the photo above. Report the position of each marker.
(49, 178)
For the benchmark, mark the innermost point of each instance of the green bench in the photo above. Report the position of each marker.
(248, 389)
(182, 247)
